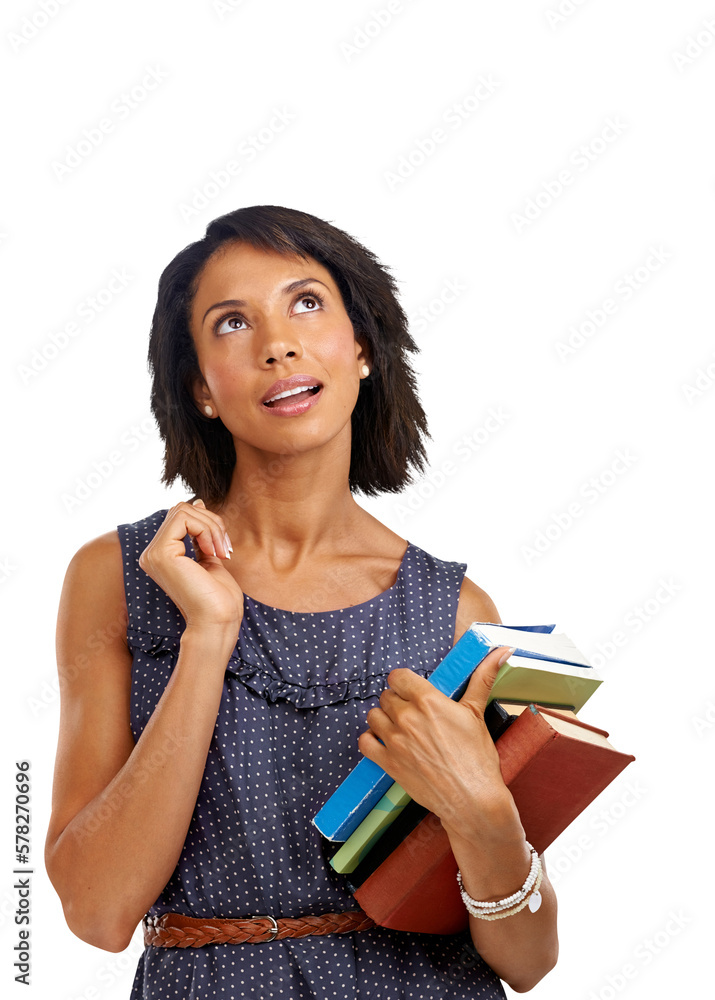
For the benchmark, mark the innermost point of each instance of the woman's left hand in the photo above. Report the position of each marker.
(439, 750)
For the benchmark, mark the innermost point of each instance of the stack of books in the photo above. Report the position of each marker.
(396, 856)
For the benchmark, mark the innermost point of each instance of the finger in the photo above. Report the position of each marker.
(220, 542)
(195, 547)
(200, 525)
(224, 547)
(194, 541)
(482, 680)
(370, 746)
(405, 683)
(379, 721)
(389, 702)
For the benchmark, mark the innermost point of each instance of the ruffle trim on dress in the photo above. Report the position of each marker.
(266, 680)
(154, 644)
(273, 687)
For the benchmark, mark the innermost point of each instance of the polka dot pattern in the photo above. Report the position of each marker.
(295, 697)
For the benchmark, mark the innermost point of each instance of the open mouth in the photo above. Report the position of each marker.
(295, 397)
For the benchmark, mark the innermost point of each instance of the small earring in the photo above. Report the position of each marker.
(365, 370)
(208, 411)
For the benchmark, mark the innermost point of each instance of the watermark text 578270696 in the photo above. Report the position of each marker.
(21, 947)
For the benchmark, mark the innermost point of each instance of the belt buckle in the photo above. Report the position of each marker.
(274, 928)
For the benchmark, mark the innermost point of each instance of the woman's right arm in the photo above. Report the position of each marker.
(120, 811)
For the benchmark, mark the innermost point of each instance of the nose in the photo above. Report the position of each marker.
(279, 355)
(279, 342)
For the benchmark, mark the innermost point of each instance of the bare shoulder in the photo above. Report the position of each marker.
(94, 671)
(102, 552)
(475, 605)
(95, 579)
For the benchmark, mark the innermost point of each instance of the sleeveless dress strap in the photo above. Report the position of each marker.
(149, 609)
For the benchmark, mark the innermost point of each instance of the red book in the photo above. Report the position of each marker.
(552, 763)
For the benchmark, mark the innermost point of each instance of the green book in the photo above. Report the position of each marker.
(558, 685)
(360, 842)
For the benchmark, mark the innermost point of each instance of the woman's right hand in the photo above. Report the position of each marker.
(202, 589)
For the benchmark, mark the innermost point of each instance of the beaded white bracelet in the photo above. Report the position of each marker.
(508, 901)
(533, 901)
(528, 893)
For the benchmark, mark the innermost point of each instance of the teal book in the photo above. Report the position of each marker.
(360, 843)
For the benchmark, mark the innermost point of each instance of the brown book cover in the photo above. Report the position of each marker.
(553, 764)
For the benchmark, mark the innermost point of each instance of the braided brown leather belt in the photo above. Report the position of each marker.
(177, 930)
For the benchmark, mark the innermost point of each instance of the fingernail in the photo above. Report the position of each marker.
(227, 545)
(228, 542)
(505, 656)
(194, 503)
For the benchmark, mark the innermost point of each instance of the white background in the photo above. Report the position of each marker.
(634, 563)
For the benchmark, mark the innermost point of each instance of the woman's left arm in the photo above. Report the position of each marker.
(524, 947)
(441, 752)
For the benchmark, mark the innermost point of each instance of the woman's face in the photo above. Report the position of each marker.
(251, 329)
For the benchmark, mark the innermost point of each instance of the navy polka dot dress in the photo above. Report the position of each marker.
(296, 693)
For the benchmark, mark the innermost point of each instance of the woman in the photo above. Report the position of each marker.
(195, 749)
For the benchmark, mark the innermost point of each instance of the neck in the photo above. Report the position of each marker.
(291, 507)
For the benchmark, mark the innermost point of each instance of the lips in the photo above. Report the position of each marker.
(287, 384)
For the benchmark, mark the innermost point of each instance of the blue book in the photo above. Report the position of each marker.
(348, 806)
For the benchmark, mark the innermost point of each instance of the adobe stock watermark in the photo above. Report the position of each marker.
(589, 493)
(225, 7)
(695, 45)
(454, 117)
(130, 441)
(48, 692)
(246, 153)
(87, 310)
(700, 383)
(7, 568)
(119, 110)
(556, 16)
(363, 35)
(599, 825)
(624, 288)
(579, 161)
(8, 907)
(635, 620)
(463, 965)
(465, 448)
(704, 722)
(113, 798)
(643, 955)
(111, 972)
(32, 24)
(425, 315)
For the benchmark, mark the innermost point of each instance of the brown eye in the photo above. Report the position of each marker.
(315, 301)
(227, 322)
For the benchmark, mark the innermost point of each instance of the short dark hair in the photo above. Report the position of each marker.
(388, 421)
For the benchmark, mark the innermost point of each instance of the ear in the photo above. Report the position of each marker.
(200, 392)
(363, 350)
